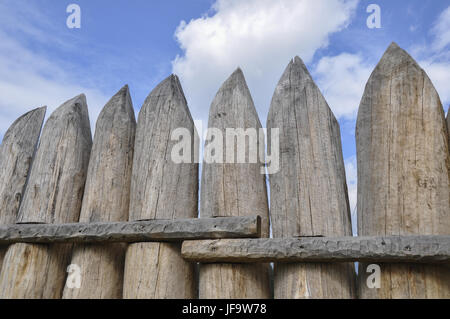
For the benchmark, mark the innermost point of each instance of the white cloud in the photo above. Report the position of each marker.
(441, 31)
(439, 73)
(436, 62)
(260, 36)
(342, 79)
(434, 58)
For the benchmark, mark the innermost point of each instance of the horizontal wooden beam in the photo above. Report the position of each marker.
(141, 231)
(392, 249)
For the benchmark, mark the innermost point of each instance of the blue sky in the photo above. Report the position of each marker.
(140, 42)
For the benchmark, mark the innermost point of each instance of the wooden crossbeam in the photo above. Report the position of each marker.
(140, 231)
(410, 249)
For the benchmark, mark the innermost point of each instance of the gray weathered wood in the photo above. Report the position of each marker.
(53, 195)
(234, 190)
(16, 153)
(141, 231)
(403, 171)
(161, 189)
(409, 249)
(106, 198)
(308, 196)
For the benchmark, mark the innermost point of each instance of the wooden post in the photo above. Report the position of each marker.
(53, 195)
(403, 172)
(308, 196)
(154, 230)
(162, 188)
(234, 190)
(106, 199)
(394, 249)
(16, 154)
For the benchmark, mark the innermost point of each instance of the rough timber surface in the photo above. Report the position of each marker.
(234, 190)
(128, 232)
(106, 198)
(395, 249)
(309, 193)
(16, 154)
(403, 171)
(53, 195)
(161, 189)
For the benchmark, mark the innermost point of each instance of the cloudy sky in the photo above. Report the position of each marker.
(140, 42)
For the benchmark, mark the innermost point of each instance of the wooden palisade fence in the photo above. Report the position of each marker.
(125, 214)
(106, 199)
(403, 171)
(161, 189)
(234, 190)
(53, 195)
(16, 154)
(309, 193)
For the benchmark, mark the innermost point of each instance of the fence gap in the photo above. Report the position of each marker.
(448, 128)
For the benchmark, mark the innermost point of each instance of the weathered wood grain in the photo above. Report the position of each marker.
(234, 190)
(106, 198)
(410, 249)
(403, 171)
(161, 189)
(16, 154)
(128, 232)
(53, 195)
(308, 196)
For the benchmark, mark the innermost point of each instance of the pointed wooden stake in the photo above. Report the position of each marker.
(234, 190)
(53, 195)
(16, 153)
(162, 189)
(106, 199)
(403, 172)
(309, 194)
